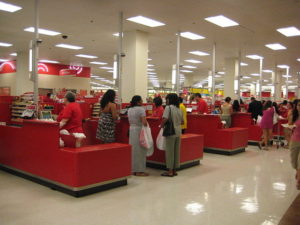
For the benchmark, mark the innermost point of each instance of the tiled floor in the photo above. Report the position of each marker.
(251, 188)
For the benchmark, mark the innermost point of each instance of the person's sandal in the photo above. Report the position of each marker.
(166, 174)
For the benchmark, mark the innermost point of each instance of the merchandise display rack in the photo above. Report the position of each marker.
(96, 110)
(17, 109)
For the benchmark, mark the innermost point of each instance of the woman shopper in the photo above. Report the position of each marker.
(267, 123)
(226, 111)
(108, 116)
(184, 115)
(137, 119)
(294, 119)
(172, 112)
(158, 111)
(287, 131)
(236, 106)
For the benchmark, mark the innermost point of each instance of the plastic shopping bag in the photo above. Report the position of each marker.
(146, 140)
(161, 141)
(258, 121)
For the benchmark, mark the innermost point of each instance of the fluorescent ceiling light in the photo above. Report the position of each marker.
(267, 71)
(106, 68)
(87, 56)
(186, 71)
(42, 31)
(254, 57)
(13, 54)
(4, 60)
(150, 65)
(283, 66)
(193, 61)
(298, 59)
(150, 69)
(69, 46)
(116, 34)
(286, 76)
(189, 67)
(289, 31)
(221, 21)
(243, 64)
(275, 46)
(149, 59)
(199, 53)
(255, 74)
(9, 7)
(152, 73)
(221, 72)
(246, 77)
(146, 21)
(98, 63)
(218, 76)
(48, 61)
(4, 44)
(191, 35)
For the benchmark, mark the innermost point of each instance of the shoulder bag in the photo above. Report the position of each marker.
(169, 126)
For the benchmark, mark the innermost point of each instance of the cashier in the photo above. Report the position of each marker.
(70, 119)
(48, 99)
(202, 107)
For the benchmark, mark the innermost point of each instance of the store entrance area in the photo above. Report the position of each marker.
(255, 188)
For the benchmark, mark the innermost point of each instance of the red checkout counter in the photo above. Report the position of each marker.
(191, 144)
(218, 140)
(244, 120)
(32, 151)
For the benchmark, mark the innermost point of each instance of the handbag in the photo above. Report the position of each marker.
(169, 129)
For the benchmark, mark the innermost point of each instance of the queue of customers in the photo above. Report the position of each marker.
(70, 122)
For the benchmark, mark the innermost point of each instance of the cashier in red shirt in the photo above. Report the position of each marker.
(158, 111)
(70, 119)
(48, 99)
(202, 107)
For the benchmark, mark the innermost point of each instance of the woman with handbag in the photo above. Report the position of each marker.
(137, 119)
(172, 121)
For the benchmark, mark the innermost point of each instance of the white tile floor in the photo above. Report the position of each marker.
(252, 188)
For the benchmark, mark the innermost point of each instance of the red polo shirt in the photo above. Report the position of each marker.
(158, 112)
(72, 112)
(202, 106)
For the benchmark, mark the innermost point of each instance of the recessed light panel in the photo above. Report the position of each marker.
(48, 61)
(193, 61)
(186, 71)
(275, 46)
(42, 31)
(69, 46)
(106, 68)
(4, 60)
(199, 53)
(244, 64)
(87, 56)
(221, 21)
(9, 7)
(146, 21)
(267, 71)
(13, 54)
(255, 74)
(98, 63)
(254, 57)
(289, 31)
(283, 66)
(4, 44)
(189, 67)
(191, 35)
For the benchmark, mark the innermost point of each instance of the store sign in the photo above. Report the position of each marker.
(67, 72)
(55, 69)
(8, 67)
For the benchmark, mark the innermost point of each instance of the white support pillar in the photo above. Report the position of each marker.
(177, 85)
(35, 54)
(134, 68)
(119, 58)
(260, 78)
(23, 83)
(213, 74)
(231, 74)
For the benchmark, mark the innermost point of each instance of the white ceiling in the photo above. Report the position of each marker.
(91, 23)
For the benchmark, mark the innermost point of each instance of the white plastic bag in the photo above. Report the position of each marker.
(275, 117)
(258, 121)
(161, 140)
(146, 140)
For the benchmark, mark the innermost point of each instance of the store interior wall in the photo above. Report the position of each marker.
(47, 81)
